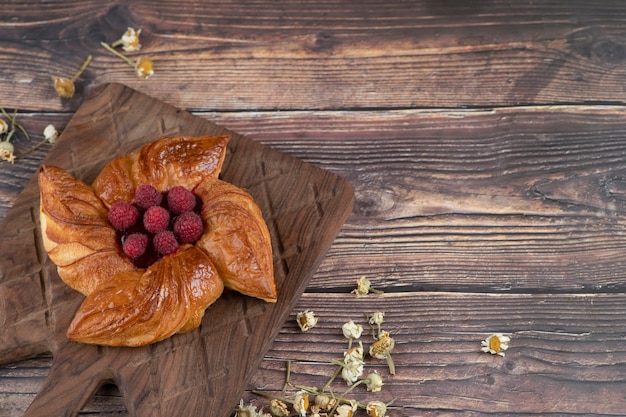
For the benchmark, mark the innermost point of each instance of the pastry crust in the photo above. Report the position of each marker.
(76, 232)
(237, 239)
(142, 307)
(129, 306)
(164, 163)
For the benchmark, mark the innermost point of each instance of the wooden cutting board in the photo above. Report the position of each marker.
(202, 373)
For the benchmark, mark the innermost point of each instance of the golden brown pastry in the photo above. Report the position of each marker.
(154, 241)
(237, 239)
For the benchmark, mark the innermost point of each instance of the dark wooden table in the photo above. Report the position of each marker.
(486, 144)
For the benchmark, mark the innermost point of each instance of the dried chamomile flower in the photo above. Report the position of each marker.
(306, 320)
(247, 411)
(9, 130)
(353, 364)
(376, 409)
(346, 410)
(351, 330)
(278, 408)
(495, 344)
(129, 40)
(381, 349)
(50, 134)
(65, 87)
(374, 382)
(6, 152)
(143, 66)
(301, 402)
(364, 287)
(376, 319)
(323, 403)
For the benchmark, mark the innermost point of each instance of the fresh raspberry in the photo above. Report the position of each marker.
(147, 196)
(122, 215)
(165, 242)
(135, 245)
(180, 199)
(155, 219)
(188, 227)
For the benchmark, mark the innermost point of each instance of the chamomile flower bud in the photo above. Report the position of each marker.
(4, 127)
(346, 410)
(129, 40)
(246, 410)
(352, 330)
(6, 152)
(495, 344)
(381, 349)
(143, 68)
(306, 320)
(363, 286)
(382, 346)
(50, 134)
(376, 319)
(374, 382)
(278, 408)
(64, 87)
(376, 409)
(353, 364)
(301, 403)
(324, 402)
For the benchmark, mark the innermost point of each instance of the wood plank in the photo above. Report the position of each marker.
(507, 200)
(566, 353)
(334, 54)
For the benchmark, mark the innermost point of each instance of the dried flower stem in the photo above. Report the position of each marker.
(82, 68)
(392, 366)
(14, 125)
(287, 376)
(118, 54)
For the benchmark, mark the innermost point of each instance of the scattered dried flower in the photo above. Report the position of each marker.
(301, 402)
(323, 402)
(346, 410)
(495, 344)
(278, 408)
(143, 66)
(381, 349)
(65, 87)
(374, 382)
(247, 411)
(376, 409)
(129, 40)
(376, 319)
(50, 134)
(306, 320)
(364, 287)
(9, 130)
(353, 364)
(352, 330)
(6, 152)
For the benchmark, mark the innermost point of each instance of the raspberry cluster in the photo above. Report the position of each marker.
(156, 224)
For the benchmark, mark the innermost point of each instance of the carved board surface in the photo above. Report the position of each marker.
(201, 373)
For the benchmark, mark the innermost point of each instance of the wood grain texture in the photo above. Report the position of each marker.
(486, 145)
(566, 355)
(186, 374)
(323, 55)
